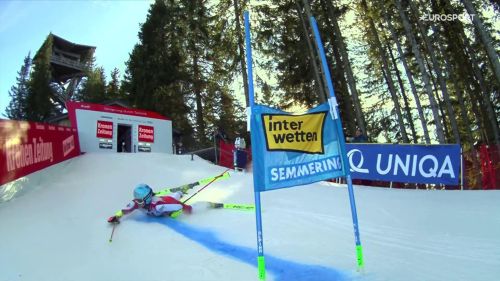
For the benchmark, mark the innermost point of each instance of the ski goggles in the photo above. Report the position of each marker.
(145, 200)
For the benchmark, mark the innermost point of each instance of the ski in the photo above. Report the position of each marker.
(229, 206)
(175, 189)
(240, 207)
(225, 175)
(191, 185)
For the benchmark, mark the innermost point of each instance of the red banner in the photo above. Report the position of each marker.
(146, 133)
(26, 147)
(226, 154)
(104, 129)
(490, 166)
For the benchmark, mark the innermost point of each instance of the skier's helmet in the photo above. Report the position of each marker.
(143, 193)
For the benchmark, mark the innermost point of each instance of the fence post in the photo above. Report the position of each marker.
(215, 147)
(461, 168)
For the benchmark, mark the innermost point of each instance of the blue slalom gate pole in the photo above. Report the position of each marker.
(340, 133)
(261, 265)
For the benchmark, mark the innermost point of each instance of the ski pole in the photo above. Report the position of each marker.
(214, 179)
(112, 232)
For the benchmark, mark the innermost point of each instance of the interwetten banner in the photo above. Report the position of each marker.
(294, 149)
(433, 164)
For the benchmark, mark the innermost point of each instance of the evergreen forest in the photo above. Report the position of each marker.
(404, 71)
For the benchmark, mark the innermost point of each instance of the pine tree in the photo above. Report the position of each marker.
(40, 102)
(409, 76)
(425, 76)
(485, 37)
(381, 52)
(440, 77)
(228, 65)
(241, 53)
(113, 87)
(334, 15)
(93, 88)
(156, 77)
(16, 109)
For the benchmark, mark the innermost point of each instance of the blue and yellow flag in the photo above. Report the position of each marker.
(290, 150)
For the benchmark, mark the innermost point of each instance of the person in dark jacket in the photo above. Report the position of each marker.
(359, 137)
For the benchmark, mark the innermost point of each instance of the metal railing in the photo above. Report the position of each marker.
(209, 154)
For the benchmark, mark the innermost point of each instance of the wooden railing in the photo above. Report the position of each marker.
(67, 62)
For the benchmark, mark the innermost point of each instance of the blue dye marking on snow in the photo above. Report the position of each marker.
(282, 270)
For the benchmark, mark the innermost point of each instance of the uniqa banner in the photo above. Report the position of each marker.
(291, 150)
(437, 164)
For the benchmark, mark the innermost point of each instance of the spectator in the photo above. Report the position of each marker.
(359, 137)
(221, 135)
(240, 154)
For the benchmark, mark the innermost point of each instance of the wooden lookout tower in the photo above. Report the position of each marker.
(69, 62)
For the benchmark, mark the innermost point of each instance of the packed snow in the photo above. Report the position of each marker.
(55, 228)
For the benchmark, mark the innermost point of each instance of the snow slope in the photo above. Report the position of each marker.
(56, 229)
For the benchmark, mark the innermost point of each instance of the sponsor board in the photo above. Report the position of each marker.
(433, 164)
(26, 147)
(146, 133)
(143, 148)
(301, 133)
(290, 150)
(106, 145)
(98, 122)
(68, 145)
(104, 129)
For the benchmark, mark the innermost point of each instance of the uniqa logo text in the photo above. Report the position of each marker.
(409, 165)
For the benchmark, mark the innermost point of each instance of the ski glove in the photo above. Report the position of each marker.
(114, 219)
(187, 209)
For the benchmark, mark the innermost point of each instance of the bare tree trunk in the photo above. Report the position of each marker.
(485, 38)
(241, 55)
(439, 74)
(463, 86)
(200, 122)
(312, 54)
(485, 94)
(403, 94)
(438, 98)
(385, 66)
(425, 76)
(458, 93)
(322, 98)
(347, 66)
(409, 75)
(343, 96)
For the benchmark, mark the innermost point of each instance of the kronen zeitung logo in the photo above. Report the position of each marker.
(20, 155)
(301, 133)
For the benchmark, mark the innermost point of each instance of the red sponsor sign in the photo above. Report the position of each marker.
(226, 154)
(26, 147)
(146, 133)
(104, 129)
